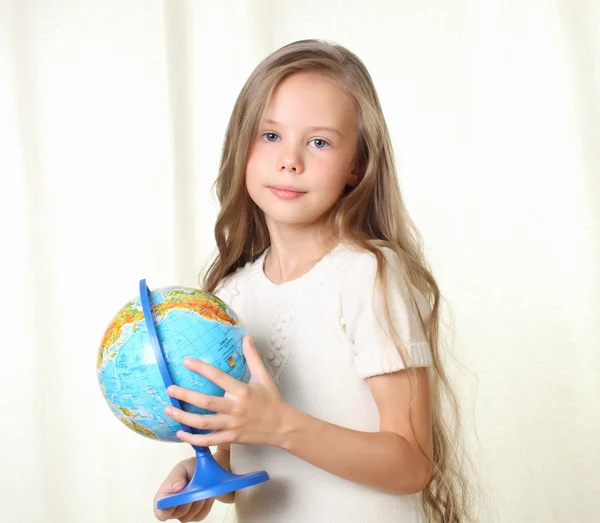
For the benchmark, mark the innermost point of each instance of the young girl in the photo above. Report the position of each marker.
(319, 258)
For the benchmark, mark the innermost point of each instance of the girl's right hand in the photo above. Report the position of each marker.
(176, 480)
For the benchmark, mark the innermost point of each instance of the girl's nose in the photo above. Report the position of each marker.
(291, 162)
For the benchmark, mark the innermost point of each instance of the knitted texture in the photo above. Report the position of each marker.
(320, 336)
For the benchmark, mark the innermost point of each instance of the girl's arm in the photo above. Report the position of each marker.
(223, 457)
(388, 460)
(255, 414)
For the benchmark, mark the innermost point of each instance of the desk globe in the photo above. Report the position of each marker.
(142, 353)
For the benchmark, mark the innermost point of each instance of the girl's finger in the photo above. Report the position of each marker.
(200, 509)
(198, 421)
(205, 509)
(254, 361)
(202, 401)
(219, 437)
(180, 511)
(173, 483)
(218, 377)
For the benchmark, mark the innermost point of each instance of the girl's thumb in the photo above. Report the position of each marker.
(177, 486)
(253, 360)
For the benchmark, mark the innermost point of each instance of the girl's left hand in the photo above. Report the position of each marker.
(248, 413)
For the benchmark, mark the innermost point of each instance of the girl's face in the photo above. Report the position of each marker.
(302, 156)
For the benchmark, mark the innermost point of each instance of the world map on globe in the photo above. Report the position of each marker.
(189, 323)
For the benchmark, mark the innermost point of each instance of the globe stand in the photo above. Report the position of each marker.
(209, 479)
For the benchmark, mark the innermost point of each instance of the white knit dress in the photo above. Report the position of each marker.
(319, 337)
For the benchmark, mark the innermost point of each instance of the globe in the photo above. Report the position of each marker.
(142, 353)
(189, 322)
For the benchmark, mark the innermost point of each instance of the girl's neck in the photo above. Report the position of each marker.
(293, 255)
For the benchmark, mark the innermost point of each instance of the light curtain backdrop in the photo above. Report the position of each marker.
(112, 116)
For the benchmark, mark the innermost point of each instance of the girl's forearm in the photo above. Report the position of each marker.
(222, 457)
(382, 460)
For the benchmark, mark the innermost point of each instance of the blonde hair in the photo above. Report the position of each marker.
(371, 216)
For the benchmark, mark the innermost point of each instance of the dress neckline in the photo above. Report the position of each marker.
(315, 275)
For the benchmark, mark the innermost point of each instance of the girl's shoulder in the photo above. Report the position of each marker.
(230, 285)
(359, 265)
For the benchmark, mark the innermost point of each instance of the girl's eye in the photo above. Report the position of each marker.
(270, 137)
(320, 143)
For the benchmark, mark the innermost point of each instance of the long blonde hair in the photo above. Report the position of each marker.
(371, 216)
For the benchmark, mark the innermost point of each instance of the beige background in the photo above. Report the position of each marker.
(112, 115)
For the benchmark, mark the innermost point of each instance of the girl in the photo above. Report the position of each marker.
(319, 258)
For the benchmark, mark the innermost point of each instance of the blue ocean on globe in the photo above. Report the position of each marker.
(189, 323)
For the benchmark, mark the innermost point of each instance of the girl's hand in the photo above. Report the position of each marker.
(250, 413)
(175, 481)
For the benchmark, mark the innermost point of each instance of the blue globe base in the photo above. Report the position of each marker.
(210, 480)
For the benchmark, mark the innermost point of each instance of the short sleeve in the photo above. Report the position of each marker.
(364, 316)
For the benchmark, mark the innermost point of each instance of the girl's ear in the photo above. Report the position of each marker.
(354, 178)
